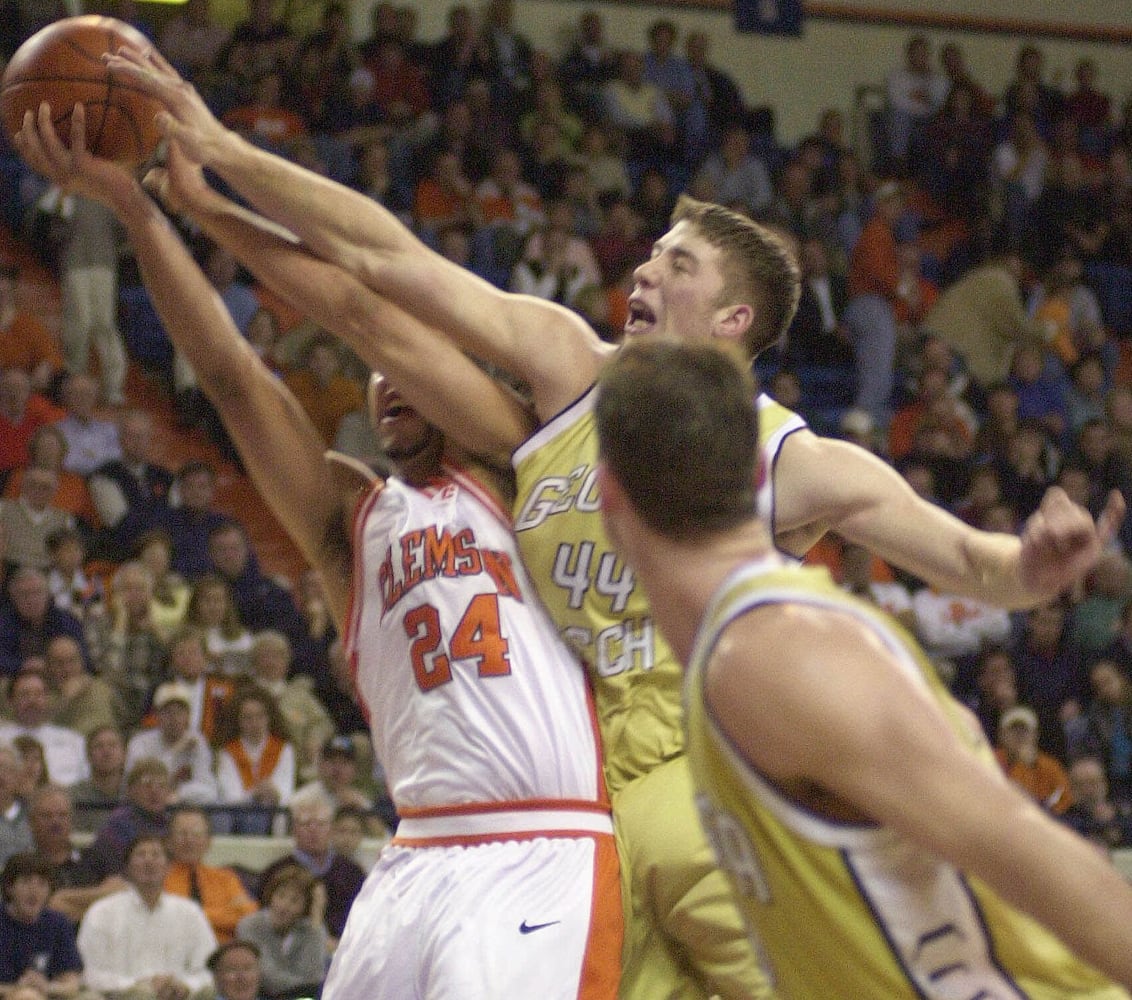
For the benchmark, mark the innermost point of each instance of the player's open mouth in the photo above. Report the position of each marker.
(640, 317)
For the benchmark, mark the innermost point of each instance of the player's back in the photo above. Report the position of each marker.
(471, 696)
(845, 910)
(593, 597)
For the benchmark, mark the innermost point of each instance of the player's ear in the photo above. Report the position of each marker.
(732, 322)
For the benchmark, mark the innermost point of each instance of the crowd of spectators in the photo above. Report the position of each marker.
(966, 310)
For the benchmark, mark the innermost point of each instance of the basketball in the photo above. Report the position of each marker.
(62, 64)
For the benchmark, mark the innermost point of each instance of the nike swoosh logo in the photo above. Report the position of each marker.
(525, 928)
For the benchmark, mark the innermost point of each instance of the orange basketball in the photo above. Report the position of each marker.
(62, 65)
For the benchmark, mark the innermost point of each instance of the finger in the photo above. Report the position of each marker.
(1111, 517)
(155, 58)
(50, 143)
(78, 130)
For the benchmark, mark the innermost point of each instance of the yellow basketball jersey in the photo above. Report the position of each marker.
(844, 911)
(593, 598)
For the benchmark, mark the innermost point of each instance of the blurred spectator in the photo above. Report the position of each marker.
(255, 764)
(954, 65)
(605, 169)
(98, 796)
(261, 602)
(292, 945)
(1037, 773)
(1019, 164)
(126, 649)
(131, 492)
(192, 520)
(88, 282)
(1085, 397)
(257, 45)
(227, 642)
(639, 110)
(1028, 91)
(311, 819)
(1094, 814)
(33, 764)
(30, 518)
(459, 56)
(957, 146)
(816, 335)
(349, 830)
(1072, 314)
(76, 884)
(547, 270)
(30, 620)
(995, 689)
(91, 441)
(210, 693)
(1107, 729)
(21, 414)
(25, 343)
(182, 749)
(170, 597)
(504, 198)
(509, 54)
(673, 75)
(48, 450)
(144, 813)
(620, 242)
(307, 721)
(338, 775)
(1095, 618)
(915, 92)
(144, 939)
(217, 889)
(72, 587)
(793, 205)
(589, 63)
(264, 119)
(1039, 381)
(933, 406)
(15, 830)
(399, 86)
(236, 968)
(444, 196)
(876, 283)
(857, 576)
(1086, 105)
(714, 89)
(323, 64)
(65, 748)
(1051, 675)
(80, 701)
(732, 175)
(37, 944)
(191, 40)
(323, 390)
(955, 627)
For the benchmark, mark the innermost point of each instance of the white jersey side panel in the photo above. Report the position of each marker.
(471, 695)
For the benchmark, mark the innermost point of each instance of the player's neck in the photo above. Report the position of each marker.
(681, 578)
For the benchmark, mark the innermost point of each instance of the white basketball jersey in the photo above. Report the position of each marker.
(471, 696)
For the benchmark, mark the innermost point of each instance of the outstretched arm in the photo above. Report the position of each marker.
(444, 385)
(550, 348)
(889, 754)
(822, 484)
(282, 450)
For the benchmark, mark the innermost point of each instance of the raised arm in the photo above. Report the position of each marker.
(822, 484)
(444, 385)
(550, 348)
(889, 753)
(279, 445)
